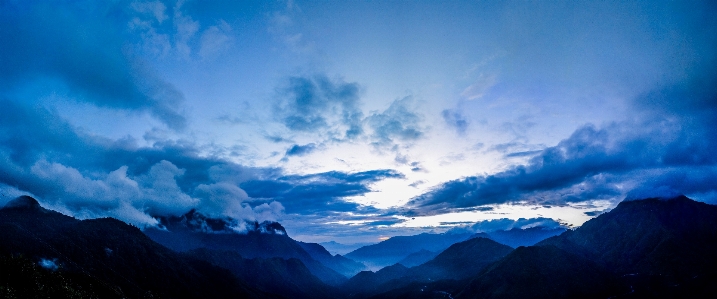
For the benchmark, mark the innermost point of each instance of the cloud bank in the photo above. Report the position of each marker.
(665, 150)
(88, 176)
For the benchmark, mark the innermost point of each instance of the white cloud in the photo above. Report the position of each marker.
(479, 87)
(135, 199)
(155, 8)
(186, 29)
(215, 40)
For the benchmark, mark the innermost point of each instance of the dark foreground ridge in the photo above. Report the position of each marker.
(652, 248)
(43, 251)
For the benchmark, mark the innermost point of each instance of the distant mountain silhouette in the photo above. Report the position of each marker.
(395, 249)
(338, 263)
(652, 248)
(101, 258)
(368, 283)
(517, 237)
(417, 258)
(338, 248)
(255, 240)
(462, 260)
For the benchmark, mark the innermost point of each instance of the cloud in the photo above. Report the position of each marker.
(81, 53)
(318, 193)
(455, 120)
(215, 40)
(480, 87)
(300, 150)
(488, 226)
(320, 105)
(89, 176)
(156, 9)
(186, 28)
(398, 123)
(664, 151)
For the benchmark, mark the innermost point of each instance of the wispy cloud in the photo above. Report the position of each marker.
(319, 105)
(456, 120)
(398, 123)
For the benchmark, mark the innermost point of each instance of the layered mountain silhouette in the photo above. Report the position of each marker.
(288, 277)
(249, 240)
(99, 258)
(460, 261)
(652, 248)
(418, 257)
(517, 237)
(338, 263)
(395, 249)
(414, 250)
(338, 248)
(367, 283)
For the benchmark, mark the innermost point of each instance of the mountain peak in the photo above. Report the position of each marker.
(198, 222)
(25, 203)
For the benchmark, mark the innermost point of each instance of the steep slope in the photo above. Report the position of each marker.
(367, 282)
(417, 258)
(109, 252)
(675, 237)
(462, 260)
(542, 272)
(443, 274)
(288, 277)
(653, 248)
(517, 237)
(338, 263)
(22, 277)
(393, 250)
(254, 240)
(660, 247)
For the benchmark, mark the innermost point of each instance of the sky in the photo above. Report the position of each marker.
(356, 120)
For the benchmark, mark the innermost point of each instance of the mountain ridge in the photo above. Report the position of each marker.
(110, 252)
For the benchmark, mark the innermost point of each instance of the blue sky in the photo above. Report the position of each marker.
(354, 120)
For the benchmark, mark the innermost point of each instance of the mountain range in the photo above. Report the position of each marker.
(651, 248)
(100, 258)
(255, 240)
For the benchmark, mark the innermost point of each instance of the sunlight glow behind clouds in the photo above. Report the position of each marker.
(421, 107)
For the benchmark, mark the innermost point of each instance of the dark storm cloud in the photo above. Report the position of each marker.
(311, 104)
(78, 49)
(318, 192)
(398, 123)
